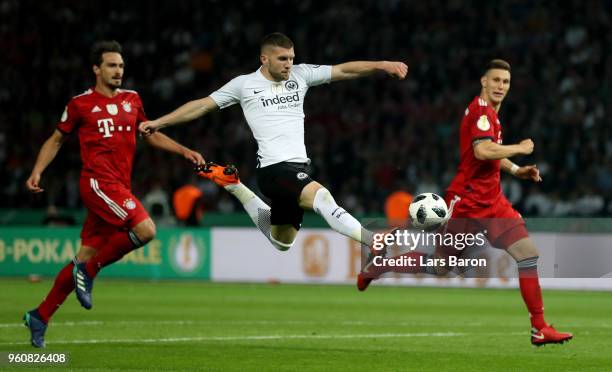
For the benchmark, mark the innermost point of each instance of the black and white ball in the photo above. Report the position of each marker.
(428, 211)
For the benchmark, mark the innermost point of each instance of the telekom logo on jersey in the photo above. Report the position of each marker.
(107, 126)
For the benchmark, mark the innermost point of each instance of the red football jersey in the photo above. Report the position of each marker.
(107, 129)
(478, 180)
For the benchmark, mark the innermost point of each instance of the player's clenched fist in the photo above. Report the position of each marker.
(526, 146)
(398, 70)
(147, 128)
(32, 184)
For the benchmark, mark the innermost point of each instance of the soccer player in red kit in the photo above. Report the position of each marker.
(478, 203)
(106, 120)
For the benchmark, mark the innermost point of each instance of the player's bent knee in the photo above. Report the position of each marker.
(523, 249)
(281, 246)
(145, 231)
(324, 195)
(308, 195)
(323, 198)
(149, 234)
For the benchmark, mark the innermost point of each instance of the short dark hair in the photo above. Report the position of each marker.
(497, 64)
(102, 47)
(276, 39)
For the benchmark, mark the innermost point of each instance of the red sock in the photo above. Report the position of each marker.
(63, 285)
(531, 291)
(119, 244)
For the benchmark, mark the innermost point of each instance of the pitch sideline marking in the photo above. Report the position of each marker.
(248, 338)
(221, 322)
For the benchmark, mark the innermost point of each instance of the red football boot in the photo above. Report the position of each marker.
(548, 335)
(370, 271)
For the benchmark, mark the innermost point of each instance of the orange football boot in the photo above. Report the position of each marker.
(219, 174)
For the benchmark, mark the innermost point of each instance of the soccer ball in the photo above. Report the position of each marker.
(428, 211)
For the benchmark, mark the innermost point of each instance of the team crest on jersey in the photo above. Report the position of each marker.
(65, 114)
(483, 123)
(129, 204)
(112, 109)
(291, 85)
(302, 176)
(127, 107)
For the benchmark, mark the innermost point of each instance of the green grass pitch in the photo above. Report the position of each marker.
(258, 327)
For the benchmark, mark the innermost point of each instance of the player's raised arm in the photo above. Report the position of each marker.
(47, 153)
(489, 150)
(187, 112)
(163, 142)
(357, 69)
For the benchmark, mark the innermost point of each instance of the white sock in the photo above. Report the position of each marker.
(339, 219)
(251, 203)
(257, 210)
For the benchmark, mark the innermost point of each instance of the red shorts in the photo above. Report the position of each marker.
(501, 224)
(110, 207)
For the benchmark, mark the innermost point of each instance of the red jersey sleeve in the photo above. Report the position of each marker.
(70, 118)
(141, 114)
(481, 125)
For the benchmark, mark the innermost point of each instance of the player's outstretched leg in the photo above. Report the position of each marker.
(337, 218)
(37, 327)
(259, 212)
(318, 198)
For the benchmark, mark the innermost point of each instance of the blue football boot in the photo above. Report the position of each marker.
(83, 285)
(37, 328)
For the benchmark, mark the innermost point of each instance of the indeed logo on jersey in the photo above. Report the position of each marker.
(277, 100)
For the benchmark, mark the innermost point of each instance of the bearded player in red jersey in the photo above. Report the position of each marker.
(106, 120)
(478, 203)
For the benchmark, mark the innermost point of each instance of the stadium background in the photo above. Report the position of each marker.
(367, 138)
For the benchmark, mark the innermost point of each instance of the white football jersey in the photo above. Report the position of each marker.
(274, 110)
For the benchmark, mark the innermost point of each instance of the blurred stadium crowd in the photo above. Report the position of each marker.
(366, 138)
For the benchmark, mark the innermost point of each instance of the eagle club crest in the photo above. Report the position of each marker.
(112, 109)
(291, 85)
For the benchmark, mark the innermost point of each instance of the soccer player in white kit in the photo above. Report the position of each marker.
(272, 99)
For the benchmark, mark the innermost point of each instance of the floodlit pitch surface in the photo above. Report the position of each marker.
(210, 326)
